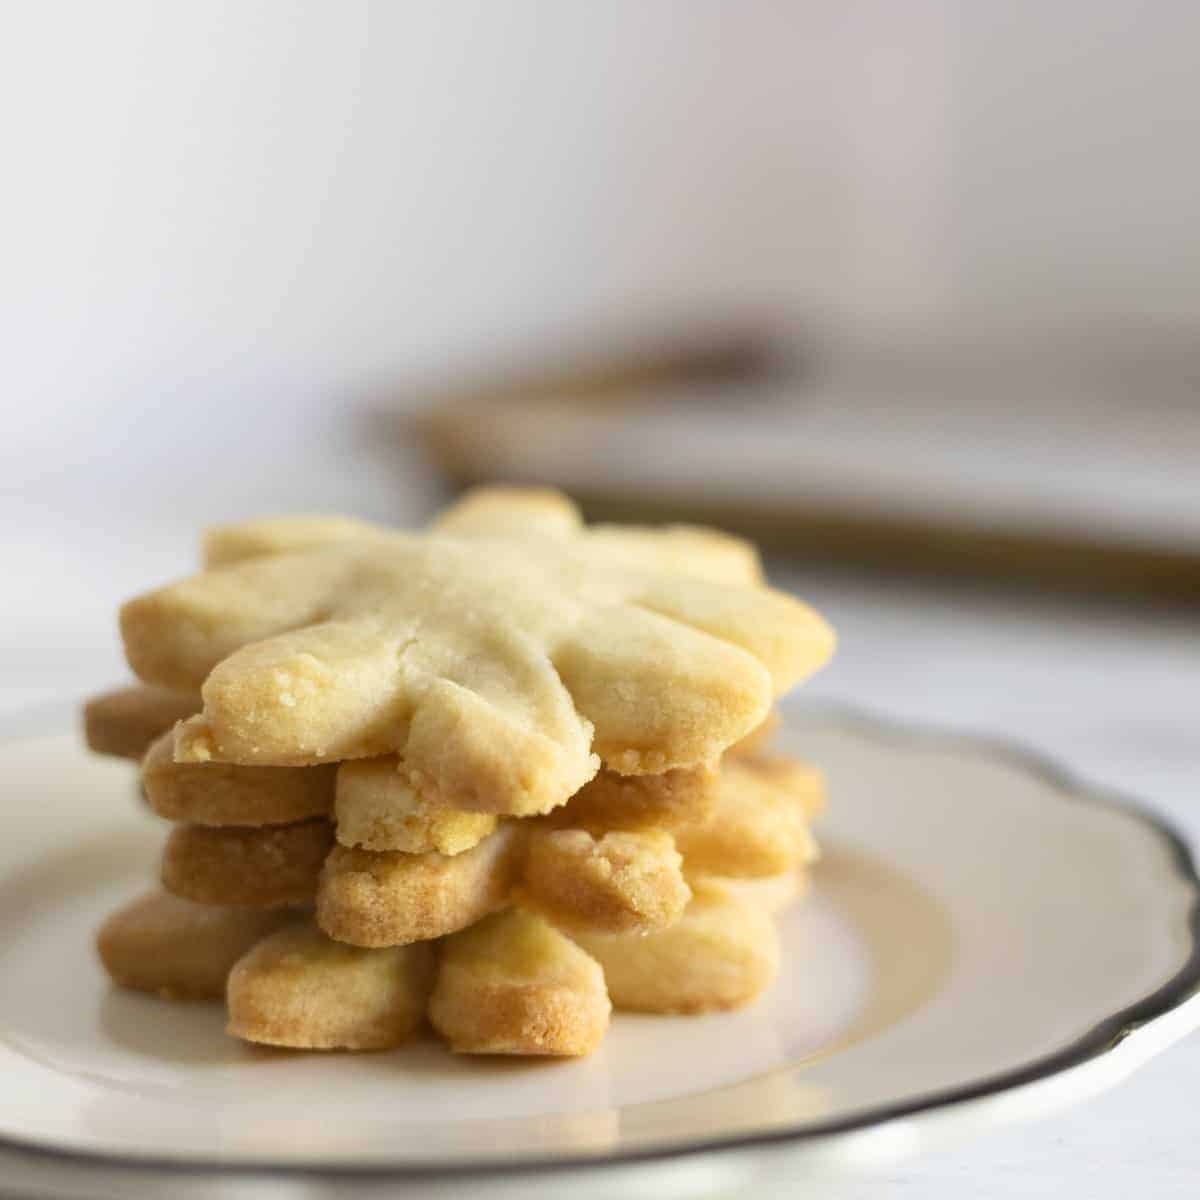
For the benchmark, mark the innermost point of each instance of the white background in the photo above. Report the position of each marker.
(227, 227)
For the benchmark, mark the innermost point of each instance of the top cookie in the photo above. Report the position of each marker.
(500, 663)
(508, 512)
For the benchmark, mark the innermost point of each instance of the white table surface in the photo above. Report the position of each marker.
(1110, 691)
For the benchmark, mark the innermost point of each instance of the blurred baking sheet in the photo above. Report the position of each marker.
(1060, 490)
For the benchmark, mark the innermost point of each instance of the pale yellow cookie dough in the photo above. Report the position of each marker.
(299, 988)
(177, 949)
(760, 823)
(224, 545)
(774, 894)
(722, 953)
(513, 984)
(618, 883)
(378, 809)
(276, 866)
(224, 794)
(387, 898)
(637, 802)
(126, 721)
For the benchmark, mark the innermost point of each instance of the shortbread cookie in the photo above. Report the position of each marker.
(756, 741)
(511, 512)
(688, 550)
(483, 512)
(508, 512)
(224, 794)
(759, 825)
(299, 988)
(273, 867)
(124, 722)
(801, 779)
(774, 894)
(224, 545)
(176, 949)
(377, 809)
(497, 669)
(640, 802)
(538, 512)
(721, 953)
(372, 898)
(512, 984)
(619, 883)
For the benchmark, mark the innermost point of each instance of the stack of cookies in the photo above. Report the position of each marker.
(503, 775)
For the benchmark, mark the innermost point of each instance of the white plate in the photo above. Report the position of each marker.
(985, 939)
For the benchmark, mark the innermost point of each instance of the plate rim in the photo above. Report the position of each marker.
(1101, 1040)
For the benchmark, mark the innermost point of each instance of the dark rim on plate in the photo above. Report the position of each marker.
(1099, 1040)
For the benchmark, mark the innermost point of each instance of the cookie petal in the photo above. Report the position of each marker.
(618, 883)
(176, 635)
(388, 899)
(510, 512)
(688, 550)
(324, 693)
(227, 544)
(759, 826)
(377, 809)
(223, 794)
(790, 639)
(721, 954)
(273, 867)
(299, 988)
(178, 949)
(514, 985)
(125, 722)
(640, 802)
(659, 693)
(473, 754)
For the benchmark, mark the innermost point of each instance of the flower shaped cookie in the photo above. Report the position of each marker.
(501, 667)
